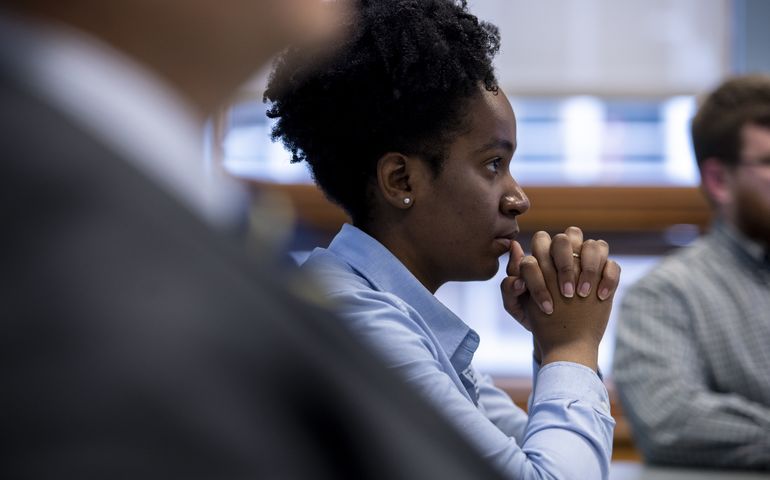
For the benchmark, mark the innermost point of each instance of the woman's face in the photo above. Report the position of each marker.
(465, 218)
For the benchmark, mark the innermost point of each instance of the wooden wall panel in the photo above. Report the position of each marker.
(602, 209)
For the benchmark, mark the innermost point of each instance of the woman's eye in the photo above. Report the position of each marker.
(494, 165)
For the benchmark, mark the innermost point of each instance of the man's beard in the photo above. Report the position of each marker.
(753, 216)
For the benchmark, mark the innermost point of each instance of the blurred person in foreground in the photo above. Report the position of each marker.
(137, 340)
(406, 127)
(692, 361)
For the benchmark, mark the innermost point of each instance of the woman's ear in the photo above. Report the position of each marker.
(396, 178)
(716, 182)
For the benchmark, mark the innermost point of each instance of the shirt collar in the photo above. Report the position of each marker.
(733, 237)
(386, 273)
(125, 105)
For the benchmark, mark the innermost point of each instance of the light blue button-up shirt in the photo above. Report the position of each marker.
(568, 433)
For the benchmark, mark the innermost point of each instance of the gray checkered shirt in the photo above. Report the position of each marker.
(692, 360)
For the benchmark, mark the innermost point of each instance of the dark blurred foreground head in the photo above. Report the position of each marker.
(205, 48)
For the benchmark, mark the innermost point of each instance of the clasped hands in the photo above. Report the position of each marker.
(563, 294)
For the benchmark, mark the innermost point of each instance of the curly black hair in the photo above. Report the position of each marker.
(397, 82)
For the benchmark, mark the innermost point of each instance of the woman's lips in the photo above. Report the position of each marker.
(504, 240)
(503, 244)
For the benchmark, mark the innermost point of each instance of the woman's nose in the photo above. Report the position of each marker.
(514, 202)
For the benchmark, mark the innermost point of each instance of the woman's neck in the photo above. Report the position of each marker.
(398, 241)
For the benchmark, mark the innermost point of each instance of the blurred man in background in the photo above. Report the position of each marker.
(137, 339)
(692, 357)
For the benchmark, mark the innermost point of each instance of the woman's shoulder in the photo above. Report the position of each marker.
(356, 298)
(333, 273)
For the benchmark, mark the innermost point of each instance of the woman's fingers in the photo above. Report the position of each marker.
(610, 280)
(563, 248)
(593, 258)
(532, 275)
(578, 267)
(517, 253)
(513, 291)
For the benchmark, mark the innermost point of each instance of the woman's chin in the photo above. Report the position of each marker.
(487, 271)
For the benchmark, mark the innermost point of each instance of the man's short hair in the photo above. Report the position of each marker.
(716, 128)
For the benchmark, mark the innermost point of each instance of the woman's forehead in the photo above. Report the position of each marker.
(491, 116)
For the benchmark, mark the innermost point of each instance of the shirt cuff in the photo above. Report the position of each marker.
(535, 371)
(568, 380)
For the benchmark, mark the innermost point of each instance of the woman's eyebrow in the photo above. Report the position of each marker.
(497, 143)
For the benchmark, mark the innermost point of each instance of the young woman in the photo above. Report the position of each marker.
(404, 125)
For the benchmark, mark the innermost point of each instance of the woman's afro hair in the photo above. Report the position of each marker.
(397, 81)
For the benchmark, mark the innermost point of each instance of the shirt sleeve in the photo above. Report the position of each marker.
(498, 407)
(569, 432)
(663, 383)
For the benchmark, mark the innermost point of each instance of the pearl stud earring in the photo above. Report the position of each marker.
(407, 201)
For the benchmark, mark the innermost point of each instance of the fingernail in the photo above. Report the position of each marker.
(585, 289)
(568, 290)
(518, 284)
(547, 307)
(604, 294)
